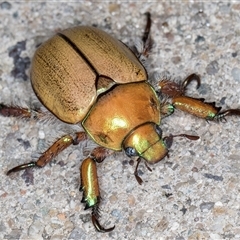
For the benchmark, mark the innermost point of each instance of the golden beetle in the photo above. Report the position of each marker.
(84, 76)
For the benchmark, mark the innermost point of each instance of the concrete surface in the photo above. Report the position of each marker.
(194, 194)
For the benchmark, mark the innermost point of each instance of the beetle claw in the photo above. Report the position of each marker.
(189, 79)
(22, 167)
(97, 225)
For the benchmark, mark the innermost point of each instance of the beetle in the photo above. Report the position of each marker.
(82, 75)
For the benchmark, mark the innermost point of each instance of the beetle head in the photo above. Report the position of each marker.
(146, 141)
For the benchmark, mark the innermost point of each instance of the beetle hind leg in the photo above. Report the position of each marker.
(17, 111)
(146, 40)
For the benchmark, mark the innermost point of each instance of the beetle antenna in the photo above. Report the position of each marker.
(139, 180)
(169, 139)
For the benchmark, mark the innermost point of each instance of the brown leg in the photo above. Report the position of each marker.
(146, 38)
(16, 111)
(146, 46)
(57, 147)
(194, 106)
(100, 153)
(174, 89)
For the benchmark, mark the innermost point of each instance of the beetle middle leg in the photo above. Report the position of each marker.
(57, 147)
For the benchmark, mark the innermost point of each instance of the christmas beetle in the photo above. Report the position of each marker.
(84, 76)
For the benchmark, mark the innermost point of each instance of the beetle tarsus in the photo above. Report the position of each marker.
(97, 225)
(146, 38)
(147, 28)
(170, 88)
(173, 89)
(22, 167)
(230, 112)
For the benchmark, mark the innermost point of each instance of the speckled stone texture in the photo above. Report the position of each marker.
(193, 194)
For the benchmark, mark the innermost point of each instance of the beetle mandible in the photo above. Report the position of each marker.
(82, 72)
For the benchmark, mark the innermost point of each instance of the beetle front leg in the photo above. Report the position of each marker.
(91, 193)
(57, 147)
(202, 109)
(194, 106)
(174, 89)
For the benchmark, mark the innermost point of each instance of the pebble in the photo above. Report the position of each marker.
(206, 206)
(236, 74)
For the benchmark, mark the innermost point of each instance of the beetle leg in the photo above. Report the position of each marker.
(166, 109)
(230, 112)
(146, 38)
(98, 227)
(57, 147)
(91, 193)
(147, 43)
(196, 107)
(173, 89)
(191, 78)
(16, 111)
(100, 153)
(139, 180)
(170, 88)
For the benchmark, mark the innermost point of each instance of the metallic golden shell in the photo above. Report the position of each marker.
(67, 70)
(120, 111)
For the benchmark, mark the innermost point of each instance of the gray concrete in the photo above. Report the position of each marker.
(194, 194)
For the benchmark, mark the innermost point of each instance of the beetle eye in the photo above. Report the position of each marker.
(130, 151)
(158, 130)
